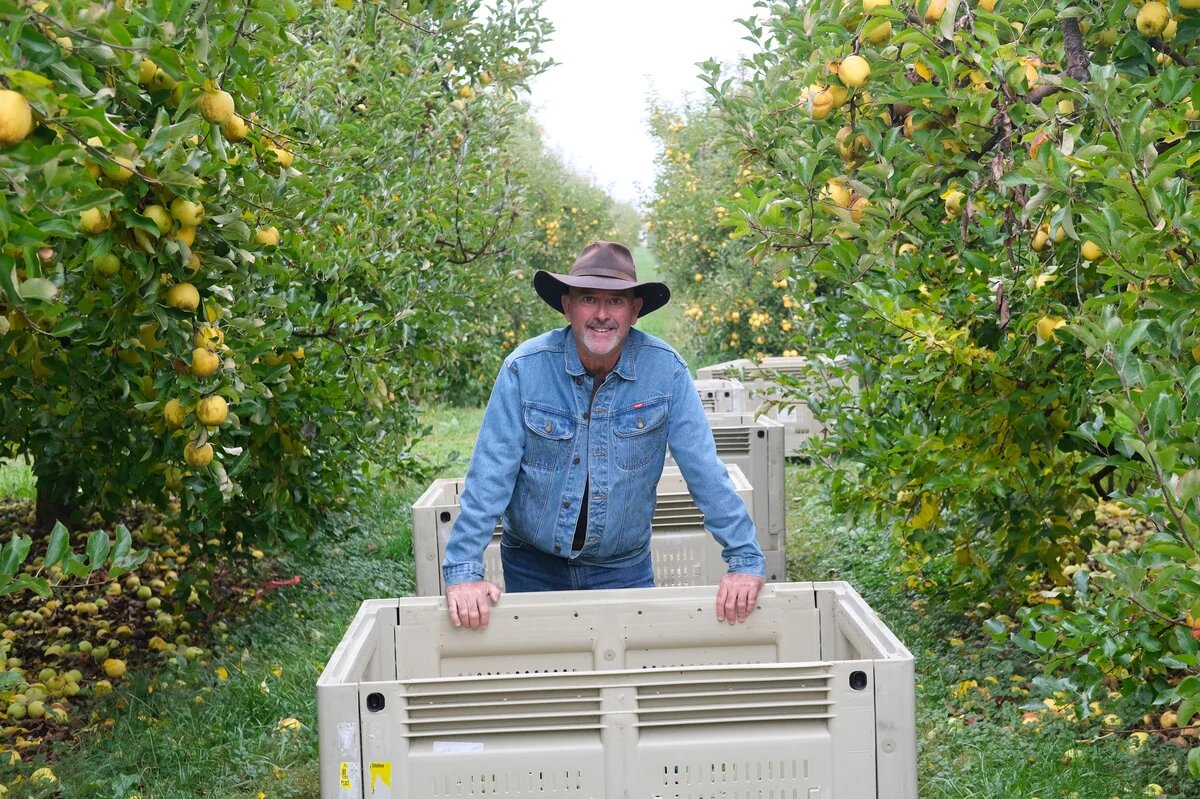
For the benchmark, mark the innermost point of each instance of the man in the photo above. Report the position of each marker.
(572, 448)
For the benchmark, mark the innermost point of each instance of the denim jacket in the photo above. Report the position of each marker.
(538, 445)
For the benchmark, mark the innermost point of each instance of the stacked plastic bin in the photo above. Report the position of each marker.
(761, 387)
(756, 446)
(682, 550)
(722, 395)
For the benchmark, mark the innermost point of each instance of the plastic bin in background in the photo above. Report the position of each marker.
(723, 395)
(761, 387)
(682, 551)
(629, 693)
(756, 446)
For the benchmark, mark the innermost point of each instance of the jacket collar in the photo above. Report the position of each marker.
(626, 366)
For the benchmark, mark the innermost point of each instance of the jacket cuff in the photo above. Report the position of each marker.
(464, 573)
(748, 565)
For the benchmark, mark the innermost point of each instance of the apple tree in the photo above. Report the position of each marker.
(989, 209)
(232, 233)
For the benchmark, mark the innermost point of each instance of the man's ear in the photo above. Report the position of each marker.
(637, 307)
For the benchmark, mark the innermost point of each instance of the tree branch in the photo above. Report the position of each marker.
(1078, 63)
(1166, 49)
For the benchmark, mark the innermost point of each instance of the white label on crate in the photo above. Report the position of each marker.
(347, 733)
(457, 746)
(349, 779)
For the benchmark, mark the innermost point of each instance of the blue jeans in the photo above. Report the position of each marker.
(526, 568)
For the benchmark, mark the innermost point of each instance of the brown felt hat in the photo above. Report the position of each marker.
(601, 265)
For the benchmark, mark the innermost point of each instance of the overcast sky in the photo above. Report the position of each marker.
(612, 55)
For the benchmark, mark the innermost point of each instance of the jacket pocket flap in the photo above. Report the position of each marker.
(639, 421)
(549, 424)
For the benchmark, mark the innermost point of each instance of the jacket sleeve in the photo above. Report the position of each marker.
(690, 440)
(491, 477)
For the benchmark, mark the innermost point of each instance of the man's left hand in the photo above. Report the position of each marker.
(737, 595)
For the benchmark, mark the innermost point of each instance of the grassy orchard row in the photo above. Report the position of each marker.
(165, 342)
(280, 365)
(988, 207)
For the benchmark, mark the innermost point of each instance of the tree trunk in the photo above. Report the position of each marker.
(57, 500)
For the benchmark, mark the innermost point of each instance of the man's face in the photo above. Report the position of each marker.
(600, 318)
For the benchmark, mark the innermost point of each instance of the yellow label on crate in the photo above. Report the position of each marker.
(344, 778)
(381, 772)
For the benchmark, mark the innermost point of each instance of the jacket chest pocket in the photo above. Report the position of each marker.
(640, 435)
(549, 438)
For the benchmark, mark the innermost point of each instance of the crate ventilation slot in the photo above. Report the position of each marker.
(732, 441)
(778, 778)
(665, 697)
(502, 710)
(722, 702)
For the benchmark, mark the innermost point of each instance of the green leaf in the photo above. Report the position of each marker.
(1188, 487)
(76, 567)
(98, 547)
(124, 544)
(66, 326)
(58, 546)
(13, 554)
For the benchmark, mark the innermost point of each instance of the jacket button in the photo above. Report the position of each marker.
(575, 461)
(641, 424)
(550, 427)
(566, 504)
(558, 549)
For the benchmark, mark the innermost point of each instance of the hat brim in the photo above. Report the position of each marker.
(550, 287)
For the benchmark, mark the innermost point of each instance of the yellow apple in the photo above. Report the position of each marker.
(16, 117)
(187, 212)
(854, 71)
(216, 106)
(1152, 18)
(212, 411)
(954, 201)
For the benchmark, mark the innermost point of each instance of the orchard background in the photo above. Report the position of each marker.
(248, 246)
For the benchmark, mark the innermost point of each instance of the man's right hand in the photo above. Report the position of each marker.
(470, 603)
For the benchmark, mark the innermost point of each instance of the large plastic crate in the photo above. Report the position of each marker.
(756, 446)
(682, 551)
(762, 388)
(635, 693)
(722, 395)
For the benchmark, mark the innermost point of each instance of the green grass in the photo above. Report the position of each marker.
(451, 438)
(662, 322)
(163, 744)
(16, 479)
